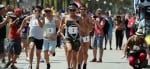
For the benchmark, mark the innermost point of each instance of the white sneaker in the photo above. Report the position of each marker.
(42, 60)
(27, 58)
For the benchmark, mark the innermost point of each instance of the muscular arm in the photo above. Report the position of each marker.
(12, 22)
(90, 24)
(61, 27)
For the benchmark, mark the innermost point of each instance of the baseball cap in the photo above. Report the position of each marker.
(17, 10)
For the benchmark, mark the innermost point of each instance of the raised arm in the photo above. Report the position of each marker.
(24, 22)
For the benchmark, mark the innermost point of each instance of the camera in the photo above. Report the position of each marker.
(19, 20)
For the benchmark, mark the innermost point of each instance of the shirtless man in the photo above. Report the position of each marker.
(86, 25)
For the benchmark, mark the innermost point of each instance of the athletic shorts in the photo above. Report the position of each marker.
(49, 45)
(37, 42)
(74, 43)
(85, 39)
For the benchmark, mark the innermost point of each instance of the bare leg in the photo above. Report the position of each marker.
(24, 44)
(80, 57)
(38, 55)
(46, 56)
(74, 59)
(69, 54)
(31, 52)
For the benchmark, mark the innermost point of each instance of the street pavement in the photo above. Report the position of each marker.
(111, 60)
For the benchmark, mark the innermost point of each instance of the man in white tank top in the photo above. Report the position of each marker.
(36, 22)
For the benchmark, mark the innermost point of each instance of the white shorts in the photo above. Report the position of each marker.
(85, 39)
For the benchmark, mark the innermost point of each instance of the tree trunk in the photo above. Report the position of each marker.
(7, 2)
(0, 1)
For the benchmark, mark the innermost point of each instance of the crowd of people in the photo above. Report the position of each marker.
(76, 30)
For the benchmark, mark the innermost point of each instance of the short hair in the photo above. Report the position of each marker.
(73, 4)
(82, 6)
(39, 7)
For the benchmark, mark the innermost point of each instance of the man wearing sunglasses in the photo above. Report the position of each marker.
(50, 36)
(36, 22)
(71, 38)
(86, 25)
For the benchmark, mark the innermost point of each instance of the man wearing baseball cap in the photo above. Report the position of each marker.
(14, 46)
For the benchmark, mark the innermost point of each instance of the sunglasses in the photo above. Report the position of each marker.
(47, 11)
(72, 10)
(37, 10)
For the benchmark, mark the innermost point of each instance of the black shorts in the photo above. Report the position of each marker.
(74, 43)
(14, 46)
(2, 49)
(38, 42)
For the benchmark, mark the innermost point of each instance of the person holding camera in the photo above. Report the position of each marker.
(99, 23)
(14, 46)
(36, 23)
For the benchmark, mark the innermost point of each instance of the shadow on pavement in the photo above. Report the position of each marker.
(114, 62)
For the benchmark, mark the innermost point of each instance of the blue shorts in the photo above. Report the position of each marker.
(24, 35)
(14, 46)
(49, 45)
(98, 41)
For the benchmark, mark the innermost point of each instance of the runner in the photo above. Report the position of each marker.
(72, 37)
(36, 22)
(86, 25)
(24, 39)
(50, 35)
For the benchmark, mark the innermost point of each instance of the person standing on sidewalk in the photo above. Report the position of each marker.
(119, 31)
(24, 38)
(36, 22)
(86, 25)
(99, 23)
(50, 35)
(108, 35)
(71, 38)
